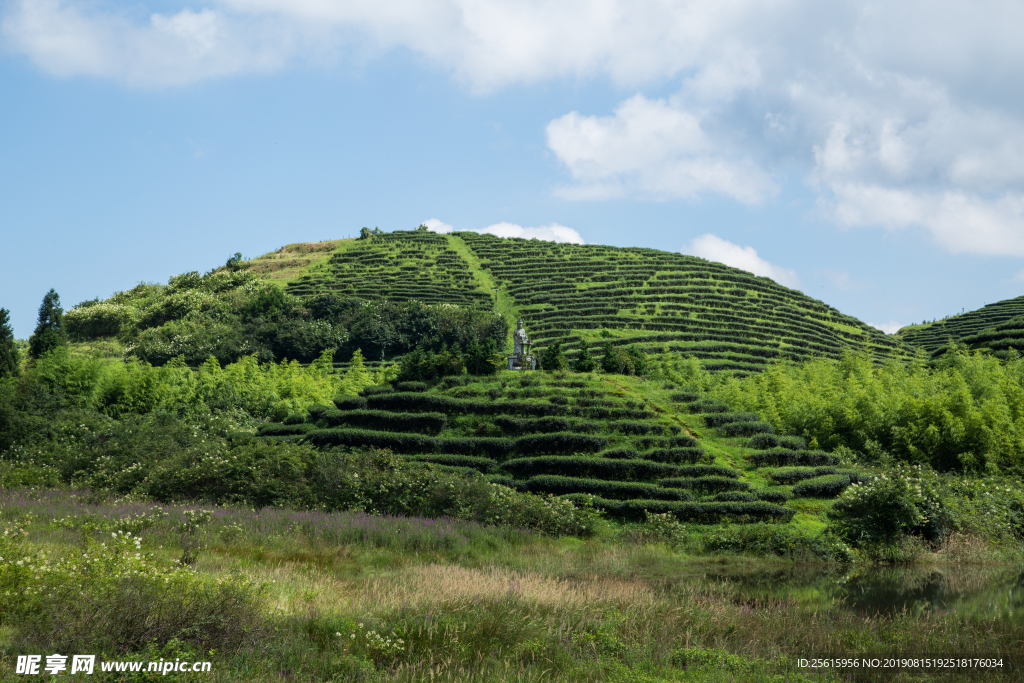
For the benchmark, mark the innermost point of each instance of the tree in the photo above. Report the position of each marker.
(553, 359)
(612, 361)
(49, 332)
(8, 350)
(235, 262)
(584, 362)
(364, 233)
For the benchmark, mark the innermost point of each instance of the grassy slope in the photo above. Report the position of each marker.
(294, 260)
(992, 326)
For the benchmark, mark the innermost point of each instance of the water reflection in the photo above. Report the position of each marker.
(990, 591)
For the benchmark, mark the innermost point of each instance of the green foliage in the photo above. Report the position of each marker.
(9, 357)
(625, 361)
(906, 501)
(584, 362)
(553, 359)
(234, 262)
(965, 414)
(827, 486)
(110, 597)
(774, 539)
(49, 333)
(780, 457)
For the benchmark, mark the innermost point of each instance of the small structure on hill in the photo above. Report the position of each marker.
(521, 358)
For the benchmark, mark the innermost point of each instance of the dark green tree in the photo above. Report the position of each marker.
(8, 350)
(553, 359)
(584, 362)
(364, 233)
(612, 361)
(235, 262)
(49, 332)
(480, 358)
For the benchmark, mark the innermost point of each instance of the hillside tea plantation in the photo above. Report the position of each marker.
(314, 466)
(997, 327)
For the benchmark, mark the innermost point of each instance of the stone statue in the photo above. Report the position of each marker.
(520, 359)
(520, 339)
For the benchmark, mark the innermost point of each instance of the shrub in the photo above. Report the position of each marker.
(766, 441)
(765, 539)
(685, 396)
(829, 486)
(773, 496)
(484, 465)
(412, 386)
(601, 468)
(584, 361)
(707, 406)
(745, 428)
(719, 419)
(699, 512)
(559, 485)
(429, 423)
(676, 455)
(791, 476)
(560, 442)
(778, 457)
(279, 429)
(906, 501)
(707, 471)
(708, 484)
(350, 403)
(512, 425)
(373, 390)
(637, 428)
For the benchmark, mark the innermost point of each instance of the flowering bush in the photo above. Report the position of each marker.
(906, 501)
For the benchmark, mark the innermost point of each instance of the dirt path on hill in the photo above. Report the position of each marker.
(653, 405)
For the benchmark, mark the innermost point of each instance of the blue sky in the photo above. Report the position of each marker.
(867, 155)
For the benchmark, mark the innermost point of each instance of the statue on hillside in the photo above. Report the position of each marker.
(519, 338)
(521, 359)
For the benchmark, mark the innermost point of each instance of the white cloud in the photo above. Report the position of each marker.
(167, 50)
(553, 232)
(653, 148)
(889, 328)
(435, 225)
(897, 114)
(714, 248)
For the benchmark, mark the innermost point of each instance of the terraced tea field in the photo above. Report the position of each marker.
(664, 302)
(628, 445)
(998, 327)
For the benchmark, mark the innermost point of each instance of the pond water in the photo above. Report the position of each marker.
(968, 590)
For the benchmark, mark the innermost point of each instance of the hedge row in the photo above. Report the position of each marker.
(707, 406)
(773, 496)
(637, 428)
(766, 441)
(794, 475)
(734, 497)
(697, 512)
(676, 455)
(720, 419)
(498, 448)
(381, 420)
(745, 428)
(599, 468)
(685, 396)
(822, 487)
(513, 425)
(707, 471)
(417, 402)
(484, 465)
(708, 484)
(778, 457)
(558, 485)
(279, 429)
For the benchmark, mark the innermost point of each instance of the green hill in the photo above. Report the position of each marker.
(997, 327)
(662, 301)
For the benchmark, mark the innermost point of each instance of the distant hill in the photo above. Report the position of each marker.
(997, 327)
(662, 301)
